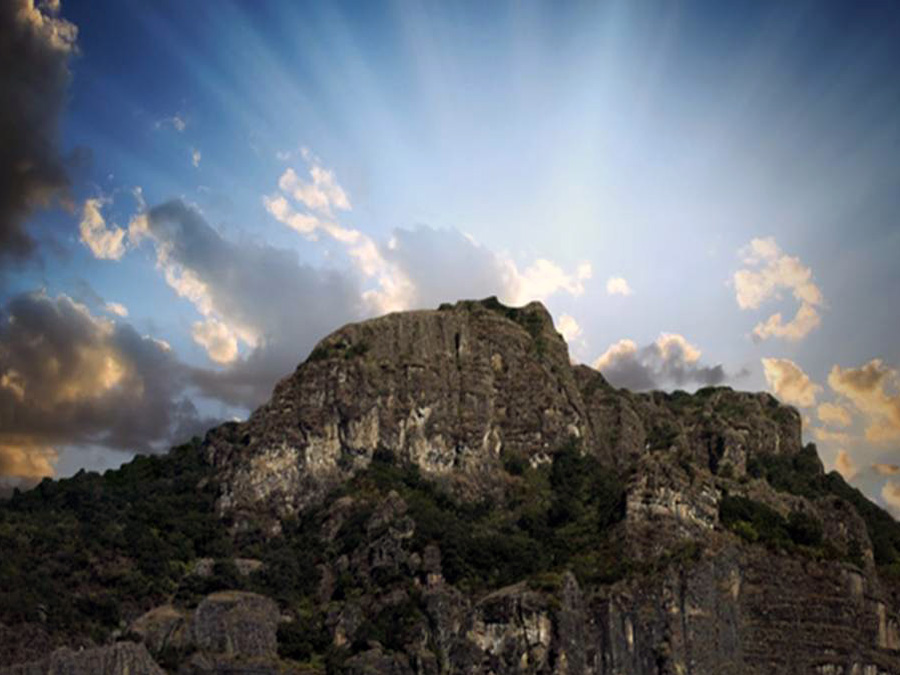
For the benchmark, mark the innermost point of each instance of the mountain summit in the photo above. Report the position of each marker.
(444, 492)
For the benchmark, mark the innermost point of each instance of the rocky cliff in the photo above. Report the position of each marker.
(443, 492)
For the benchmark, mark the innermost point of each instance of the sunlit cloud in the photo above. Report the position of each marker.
(322, 194)
(414, 268)
(196, 156)
(873, 389)
(116, 308)
(886, 469)
(669, 361)
(618, 286)
(569, 328)
(217, 339)
(69, 378)
(844, 465)
(789, 383)
(104, 242)
(891, 495)
(770, 271)
(262, 310)
(834, 415)
(828, 436)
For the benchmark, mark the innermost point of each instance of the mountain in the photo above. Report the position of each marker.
(443, 492)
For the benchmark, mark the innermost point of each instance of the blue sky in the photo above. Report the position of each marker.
(244, 177)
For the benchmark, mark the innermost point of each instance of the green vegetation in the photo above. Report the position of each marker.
(558, 515)
(81, 553)
(802, 475)
(84, 554)
(339, 349)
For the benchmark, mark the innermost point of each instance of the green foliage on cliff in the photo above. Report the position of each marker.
(80, 553)
(557, 515)
(757, 522)
(802, 475)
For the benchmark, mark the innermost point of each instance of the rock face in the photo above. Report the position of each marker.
(447, 390)
(450, 390)
(232, 623)
(119, 659)
(441, 491)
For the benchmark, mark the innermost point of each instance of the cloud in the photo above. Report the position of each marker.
(422, 267)
(827, 436)
(425, 266)
(257, 295)
(176, 121)
(322, 194)
(24, 461)
(70, 378)
(769, 272)
(890, 493)
(569, 328)
(886, 469)
(104, 242)
(844, 465)
(618, 286)
(873, 390)
(196, 156)
(116, 308)
(34, 67)
(834, 415)
(218, 340)
(669, 361)
(789, 383)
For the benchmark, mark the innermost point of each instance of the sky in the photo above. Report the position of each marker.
(193, 194)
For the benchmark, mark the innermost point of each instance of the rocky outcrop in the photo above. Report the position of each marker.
(236, 624)
(448, 390)
(451, 391)
(121, 658)
(228, 632)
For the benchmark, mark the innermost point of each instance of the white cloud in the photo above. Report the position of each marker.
(176, 121)
(323, 194)
(834, 415)
(623, 349)
(769, 272)
(217, 339)
(873, 389)
(540, 280)
(844, 465)
(414, 268)
(116, 308)
(106, 243)
(196, 156)
(569, 328)
(618, 286)
(789, 383)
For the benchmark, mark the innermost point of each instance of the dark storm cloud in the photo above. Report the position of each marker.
(35, 47)
(70, 378)
(281, 307)
(669, 362)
